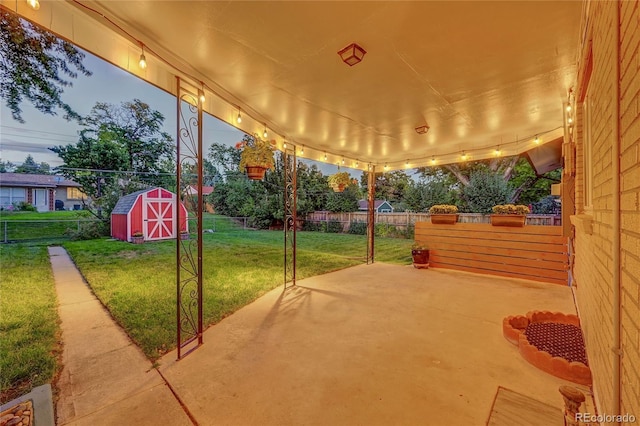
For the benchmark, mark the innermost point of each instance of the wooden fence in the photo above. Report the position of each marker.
(538, 253)
(403, 219)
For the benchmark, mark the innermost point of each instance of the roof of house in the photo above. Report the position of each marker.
(206, 190)
(125, 203)
(33, 180)
(363, 204)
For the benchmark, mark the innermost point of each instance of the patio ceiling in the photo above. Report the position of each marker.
(479, 74)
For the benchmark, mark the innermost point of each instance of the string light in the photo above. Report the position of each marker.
(433, 160)
(536, 140)
(143, 60)
(570, 120)
(302, 149)
(239, 118)
(463, 156)
(202, 98)
(386, 166)
(568, 108)
(356, 163)
(406, 164)
(497, 151)
(265, 134)
(325, 156)
(342, 160)
(34, 4)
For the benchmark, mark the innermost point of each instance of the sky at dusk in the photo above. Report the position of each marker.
(107, 84)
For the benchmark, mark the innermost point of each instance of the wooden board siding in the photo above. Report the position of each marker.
(536, 253)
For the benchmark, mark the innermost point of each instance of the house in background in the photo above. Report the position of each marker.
(380, 206)
(41, 191)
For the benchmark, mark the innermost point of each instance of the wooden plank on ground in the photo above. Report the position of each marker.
(513, 408)
(498, 251)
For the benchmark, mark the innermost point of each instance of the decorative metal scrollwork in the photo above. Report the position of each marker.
(290, 215)
(189, 229)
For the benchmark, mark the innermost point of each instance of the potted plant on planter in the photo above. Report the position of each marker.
(420, 254)
(137, 237)
(339, 181)
(444, 214)
(509, 215)
(256, 157)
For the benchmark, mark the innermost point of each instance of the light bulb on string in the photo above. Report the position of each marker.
(463, 156)
(536, 140)
(143, 59)
(34, 4)
(302, 150)
(568, 108)
(265, 134)
(239, 117)
(497, 152)
(433, 160)
(202, 98)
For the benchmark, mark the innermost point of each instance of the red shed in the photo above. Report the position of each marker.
(150, 211)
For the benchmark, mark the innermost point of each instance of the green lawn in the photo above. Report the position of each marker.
(137, 282)
(28, 320)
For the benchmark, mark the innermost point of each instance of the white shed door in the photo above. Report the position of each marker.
(157, 215)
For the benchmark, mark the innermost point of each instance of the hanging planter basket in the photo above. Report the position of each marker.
(338, 187)
(513, 220)
(255, 172)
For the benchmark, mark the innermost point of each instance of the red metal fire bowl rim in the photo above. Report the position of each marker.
(513, 329)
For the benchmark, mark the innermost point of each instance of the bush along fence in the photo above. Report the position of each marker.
(398, 224)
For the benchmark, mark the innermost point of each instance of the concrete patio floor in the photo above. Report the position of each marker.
(373, 344)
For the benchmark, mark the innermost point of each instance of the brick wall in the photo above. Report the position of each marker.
(630, 202)
(594, 261)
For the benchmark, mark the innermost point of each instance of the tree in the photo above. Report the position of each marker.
(485, 190)
(122, 148)
(36, 66)
(31, 167)
(6, 166)
(390, 186)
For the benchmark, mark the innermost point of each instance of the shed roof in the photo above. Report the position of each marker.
(124, 204)
(363, 204)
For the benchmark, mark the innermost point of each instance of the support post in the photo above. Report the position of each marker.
(290, 214)
(188, 252)
(573, 398)
(371, 222)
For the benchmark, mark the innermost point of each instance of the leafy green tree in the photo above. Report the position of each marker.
(313, 189)
(420, 196)
(485, 190)
(390, 186)
(225, 159)
(36, 66)
(345, 201)
(530, 188)
(6, 166)
(29, 166)
(120, 147)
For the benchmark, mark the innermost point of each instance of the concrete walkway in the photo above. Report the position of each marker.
(105, 379)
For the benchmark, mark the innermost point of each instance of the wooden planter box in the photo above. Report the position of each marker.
(255, 172)
(420, 258)
(184, 236)
(444, 218)
(137, 240)
(513, 220)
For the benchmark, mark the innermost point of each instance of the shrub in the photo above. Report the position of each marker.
(23, 206)
(386, 230)
(358, 228)
(548, 205)
(335, 227)
(89, 231)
